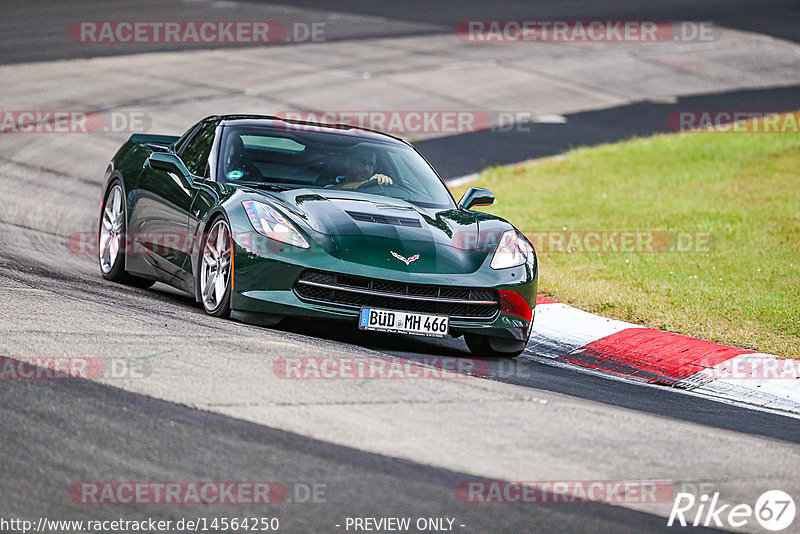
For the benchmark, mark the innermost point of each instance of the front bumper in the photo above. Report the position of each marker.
(265, 285)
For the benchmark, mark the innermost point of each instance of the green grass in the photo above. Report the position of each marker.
(741, 189)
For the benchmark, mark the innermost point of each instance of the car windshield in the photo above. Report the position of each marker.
(306, 157)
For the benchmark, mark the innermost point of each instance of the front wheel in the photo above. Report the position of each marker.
(215, 270)
(112, 240)
(492, 347)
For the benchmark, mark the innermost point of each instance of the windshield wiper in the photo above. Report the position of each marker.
(263, 185)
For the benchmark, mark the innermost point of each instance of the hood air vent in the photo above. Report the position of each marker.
(384, 219)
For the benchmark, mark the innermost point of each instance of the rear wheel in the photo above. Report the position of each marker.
(112, 241)
(492, 347)
(215, 269)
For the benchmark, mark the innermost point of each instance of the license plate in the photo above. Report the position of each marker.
(420, 324)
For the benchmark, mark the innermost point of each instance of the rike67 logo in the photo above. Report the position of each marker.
(774, 510)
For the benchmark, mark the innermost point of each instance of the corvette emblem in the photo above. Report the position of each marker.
(408, 261)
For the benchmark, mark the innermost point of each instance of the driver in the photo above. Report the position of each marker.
(237, 159)
(359, 169)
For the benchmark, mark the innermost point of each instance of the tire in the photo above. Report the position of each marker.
(214, 269)
(489, 347)
(112, 240)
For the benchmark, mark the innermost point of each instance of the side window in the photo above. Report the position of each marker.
(187, 135)
(196, 151)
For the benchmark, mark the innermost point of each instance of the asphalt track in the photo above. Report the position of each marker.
(210, 410)
(188, 444)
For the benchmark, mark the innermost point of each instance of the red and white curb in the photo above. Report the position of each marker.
(569, 335)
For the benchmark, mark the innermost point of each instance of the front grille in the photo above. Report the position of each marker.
(358, 291)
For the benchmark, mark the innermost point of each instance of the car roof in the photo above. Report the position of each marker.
(270, 121)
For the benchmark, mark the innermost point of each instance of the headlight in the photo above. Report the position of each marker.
(512, 250)
(270, 222)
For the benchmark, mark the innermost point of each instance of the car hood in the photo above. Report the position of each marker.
(391, 233)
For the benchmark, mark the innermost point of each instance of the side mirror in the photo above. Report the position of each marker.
(169, 162)
(476, 196)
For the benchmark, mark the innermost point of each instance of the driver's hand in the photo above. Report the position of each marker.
(382, 179)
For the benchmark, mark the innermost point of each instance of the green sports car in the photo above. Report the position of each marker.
(262, 218)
